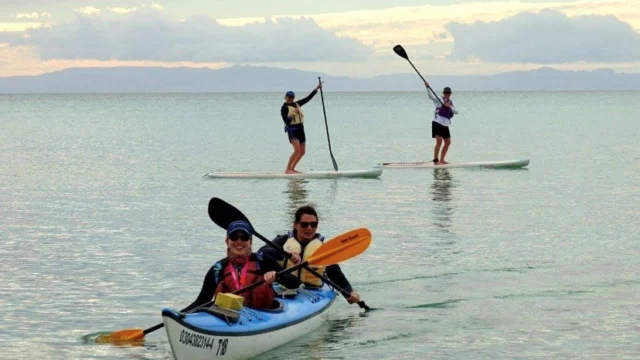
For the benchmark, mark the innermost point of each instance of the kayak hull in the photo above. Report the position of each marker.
(372, 173)
(504, 164)
(202, 336)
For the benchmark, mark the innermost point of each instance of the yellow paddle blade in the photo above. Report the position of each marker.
(122, 336)
(341, 248)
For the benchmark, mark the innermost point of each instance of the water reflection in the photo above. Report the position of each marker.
(443, 209)
(145, 349)
(322, 343)
(333, 191)
(297, 195)
(338, 332)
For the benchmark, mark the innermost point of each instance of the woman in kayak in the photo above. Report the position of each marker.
(293, 118)
(441, 122)
(241, 268)
(301, 242)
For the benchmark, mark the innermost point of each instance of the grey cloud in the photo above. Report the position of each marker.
(545, 38)
(151, 35)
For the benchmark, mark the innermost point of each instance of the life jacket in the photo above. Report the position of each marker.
(296, 119)
(445, 111)
(260, 297)
(292, 245)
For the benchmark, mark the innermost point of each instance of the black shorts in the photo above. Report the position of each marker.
(297, 134)
(438, 129)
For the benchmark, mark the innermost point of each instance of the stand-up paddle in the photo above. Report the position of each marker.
(398, 49)
(223, 214)
(338, 249)
(508, 164)
(333, 160)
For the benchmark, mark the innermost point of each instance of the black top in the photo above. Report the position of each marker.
(333, 272)
(284, 110)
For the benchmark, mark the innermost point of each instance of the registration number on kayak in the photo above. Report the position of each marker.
(204, 342)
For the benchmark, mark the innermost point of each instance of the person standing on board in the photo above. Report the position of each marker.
(293, 117)
(440, 124)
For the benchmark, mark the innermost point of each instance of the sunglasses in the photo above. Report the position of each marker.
(305, 224)
(241, 237)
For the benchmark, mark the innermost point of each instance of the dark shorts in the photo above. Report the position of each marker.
(297, 134)
(438, 129)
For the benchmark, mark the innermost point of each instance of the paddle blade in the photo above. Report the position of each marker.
(341, 248)
(122, 336)
(335, 165)
(222, 213)
(398, 49)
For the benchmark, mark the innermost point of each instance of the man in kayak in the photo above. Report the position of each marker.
(441, 122)
(242, 267)
(293, 117)
(301, 242)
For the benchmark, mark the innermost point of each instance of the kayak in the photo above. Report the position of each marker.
(372, 173)
(217, 333)
(504, 164)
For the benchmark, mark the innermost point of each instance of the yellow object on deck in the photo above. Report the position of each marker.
(229, 301)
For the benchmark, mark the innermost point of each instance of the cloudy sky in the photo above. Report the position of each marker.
(339, 37)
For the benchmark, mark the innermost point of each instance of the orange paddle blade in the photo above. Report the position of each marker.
(129, 335)
(341, 248)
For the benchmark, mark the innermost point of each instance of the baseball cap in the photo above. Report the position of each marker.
(239, 225)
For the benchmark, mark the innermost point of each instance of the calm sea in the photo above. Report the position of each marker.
(103, 220)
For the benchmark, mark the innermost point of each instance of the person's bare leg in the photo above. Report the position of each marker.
(301, 152)
(445, 148)
(436, 149)
(293, 157)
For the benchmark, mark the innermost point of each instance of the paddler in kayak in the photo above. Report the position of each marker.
(240, 268)
(301, 242)
(441, 122)
(293, 117)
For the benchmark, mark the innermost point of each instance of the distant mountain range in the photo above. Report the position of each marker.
(269, 79)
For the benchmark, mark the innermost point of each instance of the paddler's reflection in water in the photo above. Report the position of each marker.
(441, 195)
(297, 193)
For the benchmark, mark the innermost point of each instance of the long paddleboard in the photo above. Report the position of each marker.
(504, 164)
(372, 173)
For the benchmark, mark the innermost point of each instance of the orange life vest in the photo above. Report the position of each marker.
(260, 297)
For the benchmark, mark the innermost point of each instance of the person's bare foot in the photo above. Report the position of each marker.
(290, 171)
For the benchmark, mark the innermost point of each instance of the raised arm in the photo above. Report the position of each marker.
(308, 98)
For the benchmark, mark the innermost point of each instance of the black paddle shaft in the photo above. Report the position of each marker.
(398, 49)
(326, 126)
(222, 213)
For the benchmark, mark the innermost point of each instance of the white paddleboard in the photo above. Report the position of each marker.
(504, 164)
(374, 172)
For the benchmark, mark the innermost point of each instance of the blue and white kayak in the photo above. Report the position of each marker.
(248, 332)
